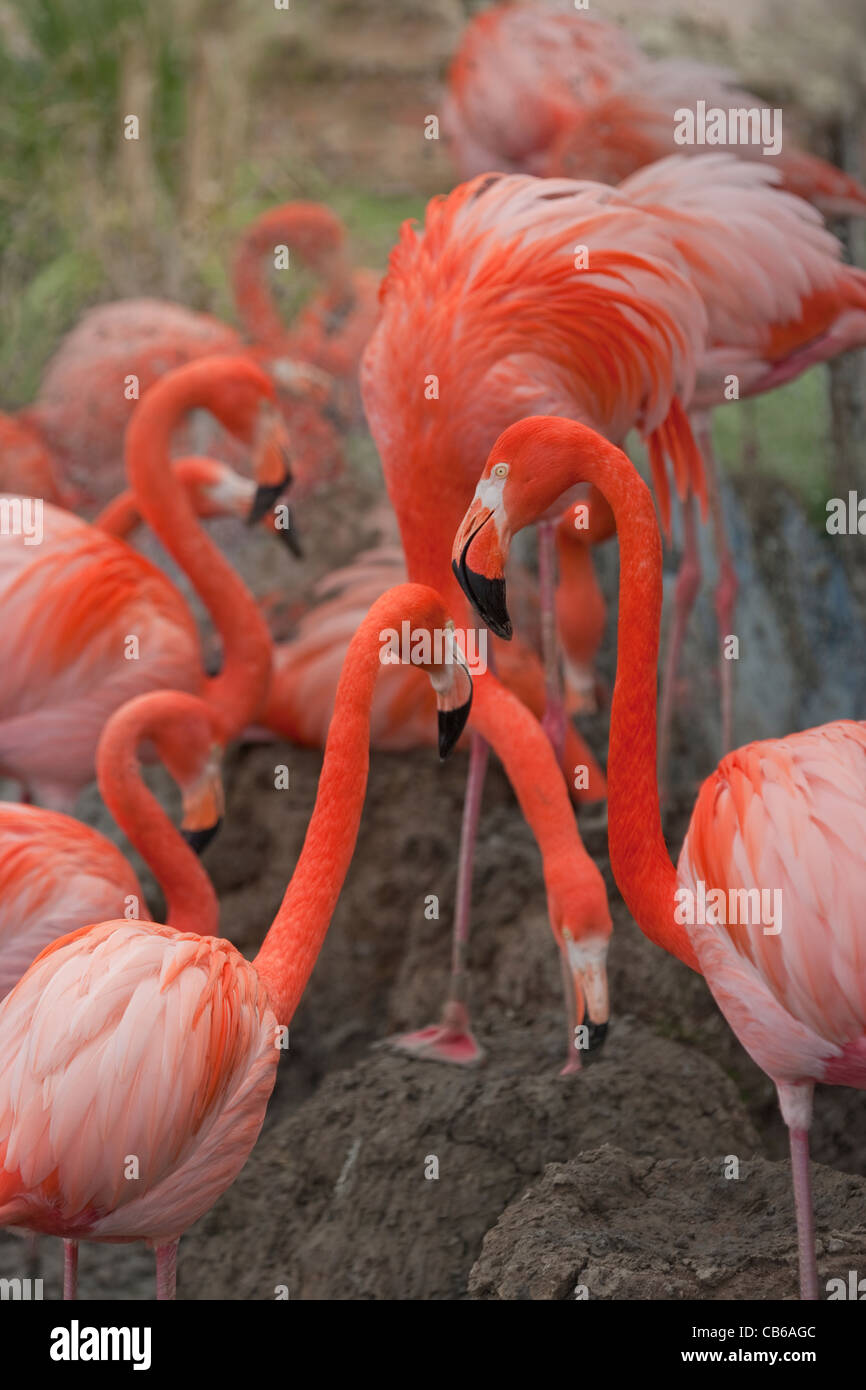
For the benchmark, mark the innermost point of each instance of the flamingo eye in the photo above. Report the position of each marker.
(500, 470)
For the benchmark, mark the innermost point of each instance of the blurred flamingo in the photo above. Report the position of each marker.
(88, 622)
(135, 1039)
(782, 817)
(57, 874)
(562, 92)
(334, 327)
(27, 465)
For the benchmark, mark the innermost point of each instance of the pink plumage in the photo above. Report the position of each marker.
(146, 1158)
(789, 814)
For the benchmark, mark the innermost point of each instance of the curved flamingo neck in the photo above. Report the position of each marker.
(191, 903)
(639, 857)
(239, 690)
(295, 938)
(297, 226)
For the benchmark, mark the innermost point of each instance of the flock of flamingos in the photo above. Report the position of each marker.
(589, 278)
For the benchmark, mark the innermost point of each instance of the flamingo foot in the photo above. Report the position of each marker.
(450, 1041)
(571, 1067)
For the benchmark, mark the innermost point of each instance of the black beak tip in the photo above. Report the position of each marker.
(595, 1036)
(267, 495)
(198, 840)
(452, 722)
(487, 597)
(289, 537)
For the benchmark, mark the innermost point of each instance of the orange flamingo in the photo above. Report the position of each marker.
(135, 1039)
(57, 875)
(777, 829)
(585, 102)
(89, 623)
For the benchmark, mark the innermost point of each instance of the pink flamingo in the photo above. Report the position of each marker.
(518, 326)
(88, 622)
(135, 1041)
(563, 92)
(57, 875)
(332, 330)
(777, 833)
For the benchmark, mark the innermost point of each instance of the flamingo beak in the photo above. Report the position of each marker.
(478, 561)
(203, 805)
(271, 463)
(587, 963)
(453, 685)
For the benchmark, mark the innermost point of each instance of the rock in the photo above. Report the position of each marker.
(334, 1202)
(616, 1226)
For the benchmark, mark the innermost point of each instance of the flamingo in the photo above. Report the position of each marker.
(332, 330)
(88, 622)
(57, 874)
(583, 101)
(518, 327)
(116, 351)
(784, 816)
(132, 1040)
(564, 93)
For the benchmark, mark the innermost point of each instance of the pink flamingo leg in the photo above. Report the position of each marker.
(70, 1270)
(553, 722)
(688, 583)
(795, 1103)
(166, 1270)
(451, 1040)
(805, 1212)
(727, 583)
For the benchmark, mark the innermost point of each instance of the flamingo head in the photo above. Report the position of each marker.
(244, 399)
(190, 746)
(414, 627)
(580, 918)
(524, 480)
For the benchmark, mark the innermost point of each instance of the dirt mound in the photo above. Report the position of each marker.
(618, 1226)
(335, 1201)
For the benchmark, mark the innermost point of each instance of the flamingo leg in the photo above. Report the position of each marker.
(805, 1212)
(166, 1270)
(451, 1040)
(553, 722)
(727, 583)
(70, 1270)
(685, 593)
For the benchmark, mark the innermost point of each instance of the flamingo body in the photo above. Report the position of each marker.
(70, 606)
(84, 401)
(96, 1092)
(789, 814)
(55, 873)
